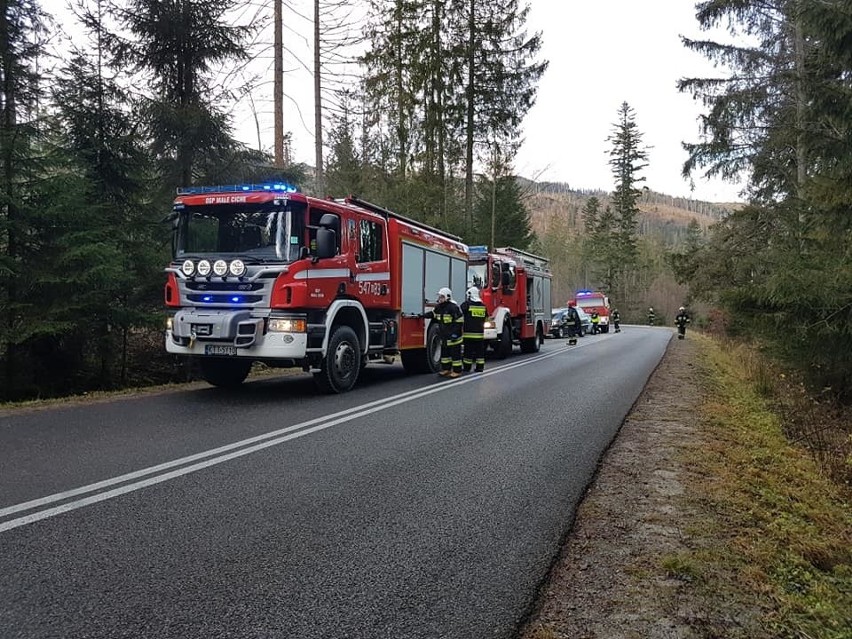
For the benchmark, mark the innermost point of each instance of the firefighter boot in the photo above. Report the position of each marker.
(454, 374)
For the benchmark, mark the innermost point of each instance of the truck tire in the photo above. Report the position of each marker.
(504, 343)
(225, 373)
(341, 363)
(533, 344)
(416, 361)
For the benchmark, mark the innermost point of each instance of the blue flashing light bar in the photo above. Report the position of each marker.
(207, 298)
(581, 293)
(236, 299)
(477, 252)
(276, 187)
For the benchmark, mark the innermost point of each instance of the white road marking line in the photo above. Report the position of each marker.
(246, 447)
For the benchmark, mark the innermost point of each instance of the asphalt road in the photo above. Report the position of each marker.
(409, 507)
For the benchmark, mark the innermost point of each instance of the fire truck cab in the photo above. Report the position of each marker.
(515, 287)
(262, 273)
(594, 302)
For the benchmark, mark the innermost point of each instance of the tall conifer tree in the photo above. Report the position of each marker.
(176, 44)
(22, 40)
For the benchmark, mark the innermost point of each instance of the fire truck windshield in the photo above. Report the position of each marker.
(477, 275)
(592, 302)
(262, 233)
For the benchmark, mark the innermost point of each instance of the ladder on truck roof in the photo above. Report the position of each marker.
(531, 260)
(386, 213)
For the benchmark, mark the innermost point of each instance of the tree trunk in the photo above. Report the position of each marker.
(469, 119)
(319, 171)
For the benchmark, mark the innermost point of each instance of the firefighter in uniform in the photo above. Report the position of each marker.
(596, 323)
(449, 317)
(575, 325)
(474, 312)
(681, 321)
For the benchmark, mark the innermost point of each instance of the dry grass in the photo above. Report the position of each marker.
(781, 527)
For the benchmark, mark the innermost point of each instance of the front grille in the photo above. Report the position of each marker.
(241, 287)
(232, 298)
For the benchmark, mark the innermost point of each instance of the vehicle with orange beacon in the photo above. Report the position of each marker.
(263, 273)
(515, 287)
(594, 302)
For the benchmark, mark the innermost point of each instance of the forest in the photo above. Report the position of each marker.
(97, 133)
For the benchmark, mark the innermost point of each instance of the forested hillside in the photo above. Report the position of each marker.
(665, 225)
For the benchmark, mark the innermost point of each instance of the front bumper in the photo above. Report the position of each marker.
(231, 333)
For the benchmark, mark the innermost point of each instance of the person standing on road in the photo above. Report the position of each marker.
(651, 316)
(450, 320)
(474, 313)
(615, 316)
(596, 322)
(575, 324)
(681, 320)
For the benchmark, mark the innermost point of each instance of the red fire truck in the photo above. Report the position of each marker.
(264, 273)
(594, 302)
(515, 286)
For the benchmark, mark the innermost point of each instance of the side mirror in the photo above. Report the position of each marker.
(326, 243)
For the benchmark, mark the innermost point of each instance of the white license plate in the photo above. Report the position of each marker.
(218, 349)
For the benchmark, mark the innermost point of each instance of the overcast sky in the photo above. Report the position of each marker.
(603, 53)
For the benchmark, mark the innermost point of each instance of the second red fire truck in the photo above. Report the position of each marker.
(264, 273)
(515, 286)
(594, 302)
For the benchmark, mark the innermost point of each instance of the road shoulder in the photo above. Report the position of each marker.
(617, 574)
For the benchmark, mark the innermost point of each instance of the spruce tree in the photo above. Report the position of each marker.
(782, 115)
(344, 171)
(23, 36)
(109, 254)
(175, 45)
(498, 67)
(628, 156)
(500, 205)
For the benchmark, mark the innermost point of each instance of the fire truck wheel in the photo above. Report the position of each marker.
(225, 373)
(424, 360)
(533, 344)
(504, 344)
(342, 361)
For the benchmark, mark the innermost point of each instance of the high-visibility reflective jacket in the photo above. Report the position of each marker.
(449, 317)
(474, 319)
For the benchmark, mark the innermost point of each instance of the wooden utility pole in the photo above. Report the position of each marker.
(278, 84)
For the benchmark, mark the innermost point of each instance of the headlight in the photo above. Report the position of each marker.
(188, 267)
(490, 324)
(220, 267)
(169, 323)
(287, 325)
(204, 268)
(237, 268)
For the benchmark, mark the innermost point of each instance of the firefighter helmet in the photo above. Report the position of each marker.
(445, 292)
(473, 294)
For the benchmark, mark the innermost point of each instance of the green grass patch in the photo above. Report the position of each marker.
(776, 532)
